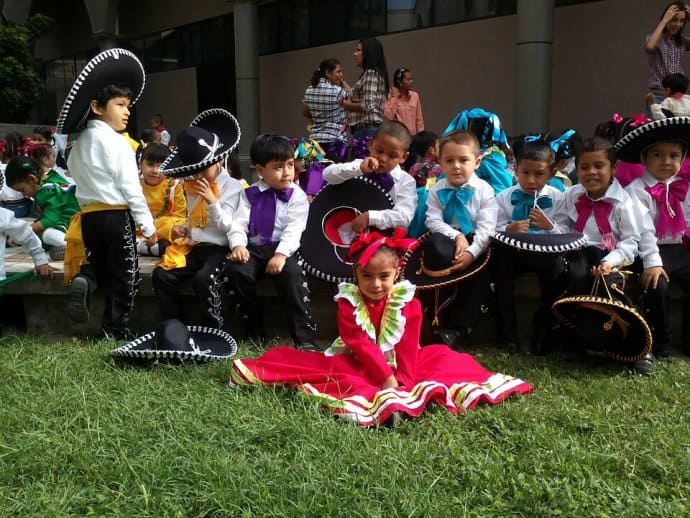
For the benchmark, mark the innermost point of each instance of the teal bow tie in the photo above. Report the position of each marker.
(523, 203)
(454, 203)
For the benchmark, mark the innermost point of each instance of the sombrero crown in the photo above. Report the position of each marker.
(211, 137)
(110, 67)
(635, 141)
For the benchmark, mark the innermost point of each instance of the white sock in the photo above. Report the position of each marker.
(54, 237)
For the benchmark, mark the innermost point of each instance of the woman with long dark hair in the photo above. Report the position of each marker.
(321, 103)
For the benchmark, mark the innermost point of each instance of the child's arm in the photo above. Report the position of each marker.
(434, 217)
(485, 225)
(295, 223)
(367, 352)
(628, 235)
(237, 236)
(402, 213)
(20, 231)
(656, 109)
(339, 173)
(222, 212)
(504, 212)
(406, 351)
(126, 176)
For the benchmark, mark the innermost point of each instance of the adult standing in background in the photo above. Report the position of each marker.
(403, 103)
(666, 47)
(322, 103)
(368, 97)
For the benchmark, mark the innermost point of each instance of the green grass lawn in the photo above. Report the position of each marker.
(84, 434)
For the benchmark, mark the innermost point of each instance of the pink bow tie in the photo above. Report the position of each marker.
(585, 206)
(669, 199)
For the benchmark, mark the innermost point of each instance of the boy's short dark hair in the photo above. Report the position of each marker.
(676, 83)
(155, 153)
(148, 134)
(270, 147)
(235, 167)
(422, 141)
(44, 131)
(596, 144)
(539, 151)
(463, 137)
(114, 90)
(394, 129)
(19, 168)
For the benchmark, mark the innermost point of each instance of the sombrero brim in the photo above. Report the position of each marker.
(638, 342)
(317, 253)
(113, 66)
(541, 242)
(411, 268)
(2, 179)
(217, 121)
(631, 145)
(213, 345)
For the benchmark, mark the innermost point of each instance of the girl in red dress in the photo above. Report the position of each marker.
(376, 368)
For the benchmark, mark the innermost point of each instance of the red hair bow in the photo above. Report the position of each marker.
(368, 244)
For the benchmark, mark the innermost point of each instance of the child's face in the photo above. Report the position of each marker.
(115, 112)
(335, 76)
(37, 138)
(376, 278)
(532, 175)
(388, 151)
(594, 172)
(663, 160)
(28, 187)
(459, 162)
(277, 174)
(151, 171)
(434, 151)
(155, 122)
(210, 173)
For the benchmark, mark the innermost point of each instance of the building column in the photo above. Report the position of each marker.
(533, 75)
(104, 24)
(246, 20)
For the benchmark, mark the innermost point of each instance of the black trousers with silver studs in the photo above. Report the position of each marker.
(204, 267)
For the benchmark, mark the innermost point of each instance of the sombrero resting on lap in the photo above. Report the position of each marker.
(540, 242)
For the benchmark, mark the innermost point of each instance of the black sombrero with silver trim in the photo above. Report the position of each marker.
(428, 264)
(174, 341)
(211, 137)
(673, 129)
(112, 66)
(2, 179)
(542, 243)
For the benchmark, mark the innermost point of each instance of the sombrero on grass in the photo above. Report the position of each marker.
(328, 234)
(211, 137)
(113, 66)
(606, 325)
(632, 144)
(428, 265)
(174, 341)
(539, 242)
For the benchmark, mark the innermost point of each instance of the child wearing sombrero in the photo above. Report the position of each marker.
(199, 245)
(661, 146)
(376, 370)
(104, 168)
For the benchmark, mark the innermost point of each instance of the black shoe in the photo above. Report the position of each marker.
(644, 365)
(663, 352)
(307, 347)
(78, 305)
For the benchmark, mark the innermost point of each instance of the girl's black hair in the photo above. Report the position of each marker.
(327, 65)
(44, 131)
(374, 59)
(422, 141)
(270, 147)
(538, 150)
(40, 152)
(596, 144)
(155, 153)
(20, 168)
(392, 252)
(398, 76)
(677, 37)
(148, 134)
(235, 167)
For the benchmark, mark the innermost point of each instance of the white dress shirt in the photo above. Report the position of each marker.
(103, 166)
(290, 222)
(623, 221)
(482, 209)
(403, 194)
(21, 232)
(559, 220)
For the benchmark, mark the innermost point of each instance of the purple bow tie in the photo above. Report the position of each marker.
(262, 216)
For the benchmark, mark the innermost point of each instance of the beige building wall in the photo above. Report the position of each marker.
(599, 67)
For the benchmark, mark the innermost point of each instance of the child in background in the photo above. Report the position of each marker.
(157, 124)
(108, 190)
(200, 245)
(462, 207)
(235, 170)
(426, 170)
(663, 250)
(12, 146)
(529, 206)
(54, 198)
(164, 196)
(376, 370)
(388, 149)
(273, 217)
(676, 103)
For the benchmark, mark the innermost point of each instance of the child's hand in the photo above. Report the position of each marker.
(45, 271)
(37, 227)
(178, 232)
(152, 239)
(391, 382)
(604, 268)
(650, 277)
(276, 264)
(361, 222)
(518, 226)
(464, 261)
(239, 255)
(203, 189)
(649, 97)
(461, 244)
(539, 219)
(369, 165)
